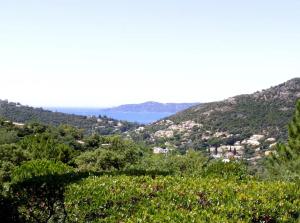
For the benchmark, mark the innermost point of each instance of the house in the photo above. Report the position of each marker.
(217, 156)
(271, 140)
(159, 150)
(17, 124)
(273, 145)
(229, 155)
(225, 160)
(80, 142)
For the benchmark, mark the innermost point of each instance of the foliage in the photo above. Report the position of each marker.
(180, 199)
(285, 161)
(59, 174)
(7, 137)
(37, 168)
(10, 156)
(190, 164)
(12, 153)
(45, 146)
(266, 112)
(6, 169)
(294, 132)
(113, 153)
(219, 169)
(38, 190)
(25, 114)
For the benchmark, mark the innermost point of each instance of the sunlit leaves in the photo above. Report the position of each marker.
(181, 199)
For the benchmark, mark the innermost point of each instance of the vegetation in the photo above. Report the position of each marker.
(115, 154)
(25, 114)
(285, 161)
(180, 199)
(39, 190)
(266, 112)
(60, 174)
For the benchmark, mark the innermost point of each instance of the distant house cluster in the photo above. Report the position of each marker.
(237, 151)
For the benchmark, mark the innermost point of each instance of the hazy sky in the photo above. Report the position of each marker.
(103, 53)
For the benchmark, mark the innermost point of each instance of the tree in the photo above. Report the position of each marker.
(285, 161)
(7, 136)
(114, 154)
(47, 146)
(11, 155)
(38, 190)
(294, 132)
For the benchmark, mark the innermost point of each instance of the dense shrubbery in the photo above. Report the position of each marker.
(219, 169)
(181, 199)
(38, 168)
(11, 155)
(38, 190)
(47, 146)
(114, 154)
(190, 164)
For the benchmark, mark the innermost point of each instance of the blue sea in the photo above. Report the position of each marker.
(140, 117)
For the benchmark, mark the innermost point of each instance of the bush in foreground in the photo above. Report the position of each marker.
(181, 199)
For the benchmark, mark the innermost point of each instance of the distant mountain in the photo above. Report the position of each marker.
(143, 113)
(227, 122)
(151, 106)
(101, 124)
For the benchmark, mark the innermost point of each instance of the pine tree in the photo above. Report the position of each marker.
(294, 132)
(285, 162)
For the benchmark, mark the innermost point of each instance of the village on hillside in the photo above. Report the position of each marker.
(252, 149)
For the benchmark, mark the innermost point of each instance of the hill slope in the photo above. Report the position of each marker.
(229, 122)
(266, 111)
(18, 113)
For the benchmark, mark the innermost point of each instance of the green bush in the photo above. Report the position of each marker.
(191, 163)
(38, 168)
(181, 199)
(8, 136)
(100, 159)
(38, 190)
(113, 154)
(47, 146)
(11, 155)
(218, 168)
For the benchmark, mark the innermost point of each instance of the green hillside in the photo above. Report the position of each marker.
(24, 114)
(230, 122)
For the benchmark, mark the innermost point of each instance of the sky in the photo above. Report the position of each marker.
(96, 53)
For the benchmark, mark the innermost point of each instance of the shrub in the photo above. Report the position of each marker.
(38, 187)
(47, 146)
(189, 164)
(115, 154)
(218, 168)
(181, 199)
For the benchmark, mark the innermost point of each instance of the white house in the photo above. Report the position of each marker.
(159, 150)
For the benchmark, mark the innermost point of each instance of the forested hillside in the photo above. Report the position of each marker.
(18, 113)
(253, 121)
